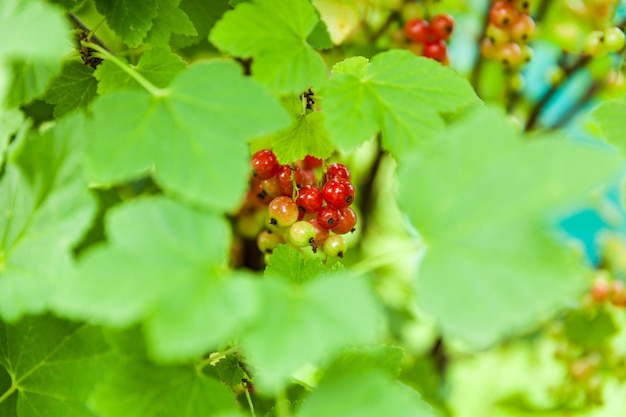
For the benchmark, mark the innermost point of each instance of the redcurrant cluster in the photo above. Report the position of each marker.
(431, 36)
(509, 30)
(301, 210)
(606, 290)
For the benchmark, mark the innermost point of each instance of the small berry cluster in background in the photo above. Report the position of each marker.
(300, 207)
(608, 290)
(431, 36)
(600, 42)
(509, 30)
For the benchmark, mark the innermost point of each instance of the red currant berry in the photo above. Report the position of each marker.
(321, 233)
(327, 217)
(510, 54)
(502, 14)
(282, 211)
(522, 29)
(286, 175)
(267, 241)
(271, 187)
(335, 246)
(522, 6)
(264, 164)
(436, 50)
(338, 193)
(311, 162)
(618, 298)
(441, 26)
(309, 177)
(338, 171)
(309, 199)
(601, 290)
(301, 234)
(417, 30)
(346, 221)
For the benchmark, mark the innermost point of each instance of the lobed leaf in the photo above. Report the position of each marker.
(45, 209)
(398, 94)
(276, 40)
(194, 137)
(310, 322)
(481, 198)
(53, 365)
(74, 88)
(163, 267)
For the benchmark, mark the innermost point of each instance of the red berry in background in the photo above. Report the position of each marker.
(338, 171)
(309, 199)
(601, 290)
(522, 6)
(417, 30)
(311, 162)
(271, 187)
(286, 174)
(618, 297)
(321, 233)
(510, 54)
(327, 217)
(308, 177)
(522, 28)
(441, 26)
(338, 193)
(502, 14)
(264, 164)
(346, 221)
(436, 50)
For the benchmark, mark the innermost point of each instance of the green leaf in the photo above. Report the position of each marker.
(158, 65)
(286, 262)
(163, 267)
(356, 65)
(367, 394)
(227, 370)
(203, 15)
(69, 5)
(482, 197)
(193, 137)
(608, 115)
(36, 30)
(399, 94)
(319, 37)
(53, 365)
(136, 388)
(73, 89)
(385, 358)
(306, 136)
(10, 121)
(589, 330)
(276, 40)
(45, 209)
(30, 79)
(130, 19)
(310, 322)
(170, 19)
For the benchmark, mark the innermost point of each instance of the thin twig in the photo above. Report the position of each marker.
(580, 63)
(579, 105)
(80, 25)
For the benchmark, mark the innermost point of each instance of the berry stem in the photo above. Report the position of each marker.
(580, 104)
(249, 399)
(107, 55)
(386, 258)
(90, 32)
(478, 62)
(579, 64)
